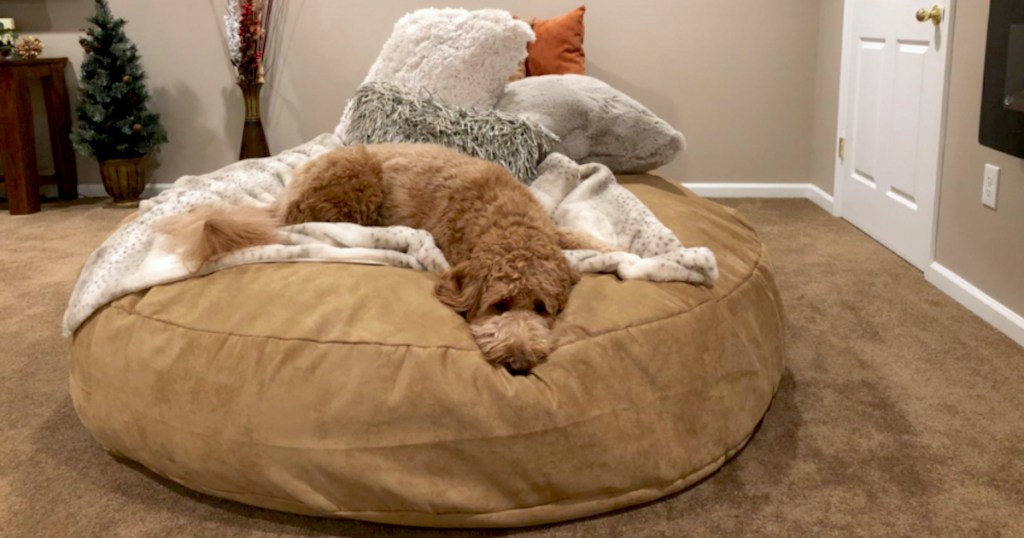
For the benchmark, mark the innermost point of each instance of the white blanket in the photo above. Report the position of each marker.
(585, 197)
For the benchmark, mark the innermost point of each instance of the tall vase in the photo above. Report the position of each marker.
(254, 140)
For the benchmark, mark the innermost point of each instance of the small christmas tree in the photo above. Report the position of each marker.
(113, 119)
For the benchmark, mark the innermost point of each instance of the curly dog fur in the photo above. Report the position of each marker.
(508, 275)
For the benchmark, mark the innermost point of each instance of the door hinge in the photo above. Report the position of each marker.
(842, 149)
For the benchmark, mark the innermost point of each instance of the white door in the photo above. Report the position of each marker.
(892, 102)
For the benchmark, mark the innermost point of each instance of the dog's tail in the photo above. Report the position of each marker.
(209, 232)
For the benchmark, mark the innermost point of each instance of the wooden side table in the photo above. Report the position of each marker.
(17, 139)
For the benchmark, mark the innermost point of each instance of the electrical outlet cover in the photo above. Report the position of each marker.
(990, 186)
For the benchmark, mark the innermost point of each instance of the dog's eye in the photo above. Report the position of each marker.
(539, 308)
(503, 306)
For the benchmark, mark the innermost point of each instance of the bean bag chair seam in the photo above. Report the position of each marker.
(250, 442)
(757, 265)
(135, 313)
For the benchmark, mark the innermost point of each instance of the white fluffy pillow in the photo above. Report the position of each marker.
(595, 122)
(463, 58)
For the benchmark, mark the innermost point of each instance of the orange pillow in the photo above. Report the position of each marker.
(558, 49)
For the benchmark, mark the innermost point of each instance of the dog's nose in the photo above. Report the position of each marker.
(519, 365)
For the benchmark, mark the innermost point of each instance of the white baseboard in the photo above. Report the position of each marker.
(997, 314)
(95, 190)
(823, 199)
(808, 191)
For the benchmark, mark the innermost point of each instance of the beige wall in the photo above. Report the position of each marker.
(984, 246)
(740, 82)
(753, 86)
(826, 94)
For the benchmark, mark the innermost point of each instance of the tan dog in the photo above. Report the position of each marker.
(508, 275)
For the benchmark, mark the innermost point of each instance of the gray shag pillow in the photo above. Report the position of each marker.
(383, 112)
(595, 122)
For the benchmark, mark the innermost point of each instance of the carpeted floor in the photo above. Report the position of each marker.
(900, 414)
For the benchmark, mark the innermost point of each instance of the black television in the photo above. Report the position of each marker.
(1002, 99)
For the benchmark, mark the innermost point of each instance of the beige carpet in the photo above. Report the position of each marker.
(901, 413)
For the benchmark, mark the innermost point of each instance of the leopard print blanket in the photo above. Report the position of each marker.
(585, 197)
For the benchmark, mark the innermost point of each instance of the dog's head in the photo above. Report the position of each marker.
(510, 303)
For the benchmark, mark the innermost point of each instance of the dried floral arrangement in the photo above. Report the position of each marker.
(28, 47)
(247, 26)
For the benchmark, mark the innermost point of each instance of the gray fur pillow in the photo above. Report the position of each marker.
(595, 122)
(385, 112)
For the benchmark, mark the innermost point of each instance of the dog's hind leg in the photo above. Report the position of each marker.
(344, 185)
(573, 239)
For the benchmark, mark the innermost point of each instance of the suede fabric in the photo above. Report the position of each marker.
(349, 391)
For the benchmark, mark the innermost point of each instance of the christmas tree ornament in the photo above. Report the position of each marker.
(106, 106)
(28, 47)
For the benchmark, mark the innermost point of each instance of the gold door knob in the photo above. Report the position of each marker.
(934, 14)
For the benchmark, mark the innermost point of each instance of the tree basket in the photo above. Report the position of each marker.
(124, 180)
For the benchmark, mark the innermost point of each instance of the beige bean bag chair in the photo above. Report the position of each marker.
(347, 390)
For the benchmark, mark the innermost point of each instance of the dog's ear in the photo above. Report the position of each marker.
(457, 290)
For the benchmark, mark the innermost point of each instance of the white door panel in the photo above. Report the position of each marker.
(895, 70)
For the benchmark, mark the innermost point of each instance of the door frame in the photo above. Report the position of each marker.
(846, 79)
